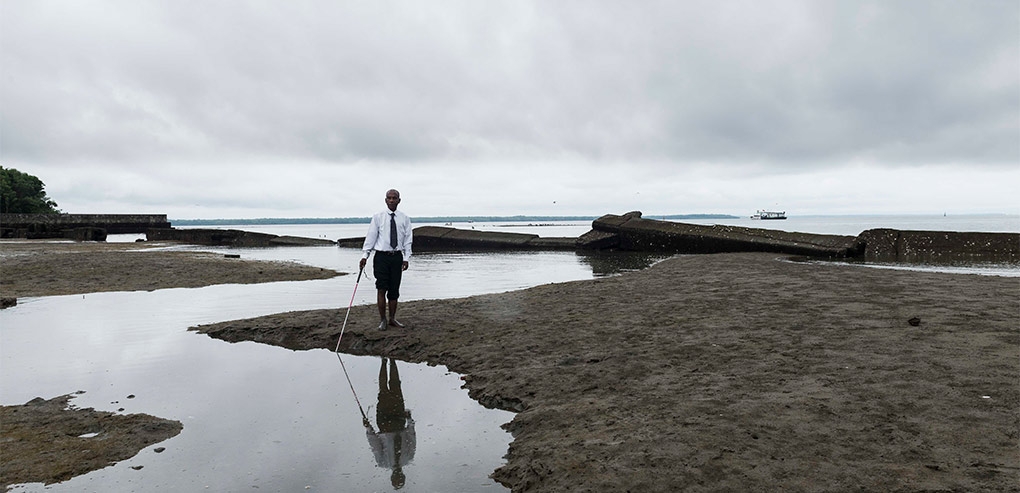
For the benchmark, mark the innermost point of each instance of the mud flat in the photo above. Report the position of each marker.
(41, 440)
(49, 268)
(724, 372)
(48, 441)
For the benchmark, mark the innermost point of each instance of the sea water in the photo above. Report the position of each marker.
(263, 417)
(853, 225)
(268, 418)
(849, 225)
(844, 225)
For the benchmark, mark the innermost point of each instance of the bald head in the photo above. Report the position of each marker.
(392, 199)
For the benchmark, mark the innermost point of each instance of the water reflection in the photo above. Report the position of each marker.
(608, 263)
(394, 443)
(1001, 269)
(255, 416)
(136, 343)
(364, 418)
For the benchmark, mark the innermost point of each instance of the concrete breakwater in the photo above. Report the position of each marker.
(78, 226)
(230, 237)
(441, 238)
(628, 232)
(940, 247)
(631, 232)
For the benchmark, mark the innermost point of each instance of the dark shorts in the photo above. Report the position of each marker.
(388, 268)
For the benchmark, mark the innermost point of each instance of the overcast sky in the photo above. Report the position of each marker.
(229, 109)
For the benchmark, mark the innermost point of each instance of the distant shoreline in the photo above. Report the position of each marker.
(426, 219)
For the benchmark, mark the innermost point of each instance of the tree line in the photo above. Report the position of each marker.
(22, 193)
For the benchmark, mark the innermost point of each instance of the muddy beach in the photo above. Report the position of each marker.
(52, 268)
(734, 372)
(50, 439)
(730, 372)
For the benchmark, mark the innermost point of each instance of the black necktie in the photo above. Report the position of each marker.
(393, 231)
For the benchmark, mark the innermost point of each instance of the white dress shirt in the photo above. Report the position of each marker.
(378, 237)
(384, 446)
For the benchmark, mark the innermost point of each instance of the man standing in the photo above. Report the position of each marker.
(389, 234)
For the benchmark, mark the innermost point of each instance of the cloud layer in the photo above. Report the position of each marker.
(311, 108)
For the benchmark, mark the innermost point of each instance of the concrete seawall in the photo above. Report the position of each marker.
(63, 225)
(441, 238)
(230, 237)
(891, 245)
(432, 238)
(610, 232)
(631, 232)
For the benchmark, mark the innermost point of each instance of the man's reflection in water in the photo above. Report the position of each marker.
(393, 445)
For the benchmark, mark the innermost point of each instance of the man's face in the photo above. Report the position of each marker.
(392, 199)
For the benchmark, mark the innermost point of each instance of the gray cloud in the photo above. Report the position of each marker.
(662, 88)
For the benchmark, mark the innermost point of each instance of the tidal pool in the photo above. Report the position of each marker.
(254, 416)
(263, 417)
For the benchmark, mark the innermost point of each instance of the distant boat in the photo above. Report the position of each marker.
(769, 215)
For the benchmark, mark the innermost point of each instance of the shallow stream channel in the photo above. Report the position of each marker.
(264, 418)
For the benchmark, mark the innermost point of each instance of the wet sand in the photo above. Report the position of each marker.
(50, 268)
(730, 372)
(734, 372)
(49, 441)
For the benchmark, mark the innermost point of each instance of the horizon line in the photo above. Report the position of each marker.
(365, 219)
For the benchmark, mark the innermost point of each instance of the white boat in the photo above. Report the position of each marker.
(762, 214)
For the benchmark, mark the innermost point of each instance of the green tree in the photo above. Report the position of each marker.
(24, 193)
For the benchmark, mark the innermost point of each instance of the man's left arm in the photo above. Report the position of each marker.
(406, 247)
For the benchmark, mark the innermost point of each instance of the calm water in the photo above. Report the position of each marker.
(839, 225)
(267, 418)
(258, 416)
(854, 225)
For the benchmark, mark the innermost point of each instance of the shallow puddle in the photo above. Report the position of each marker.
(254, 416)
(258, 416)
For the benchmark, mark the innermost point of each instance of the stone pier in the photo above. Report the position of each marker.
(77, 226)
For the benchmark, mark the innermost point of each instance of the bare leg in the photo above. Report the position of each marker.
(381, 303)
